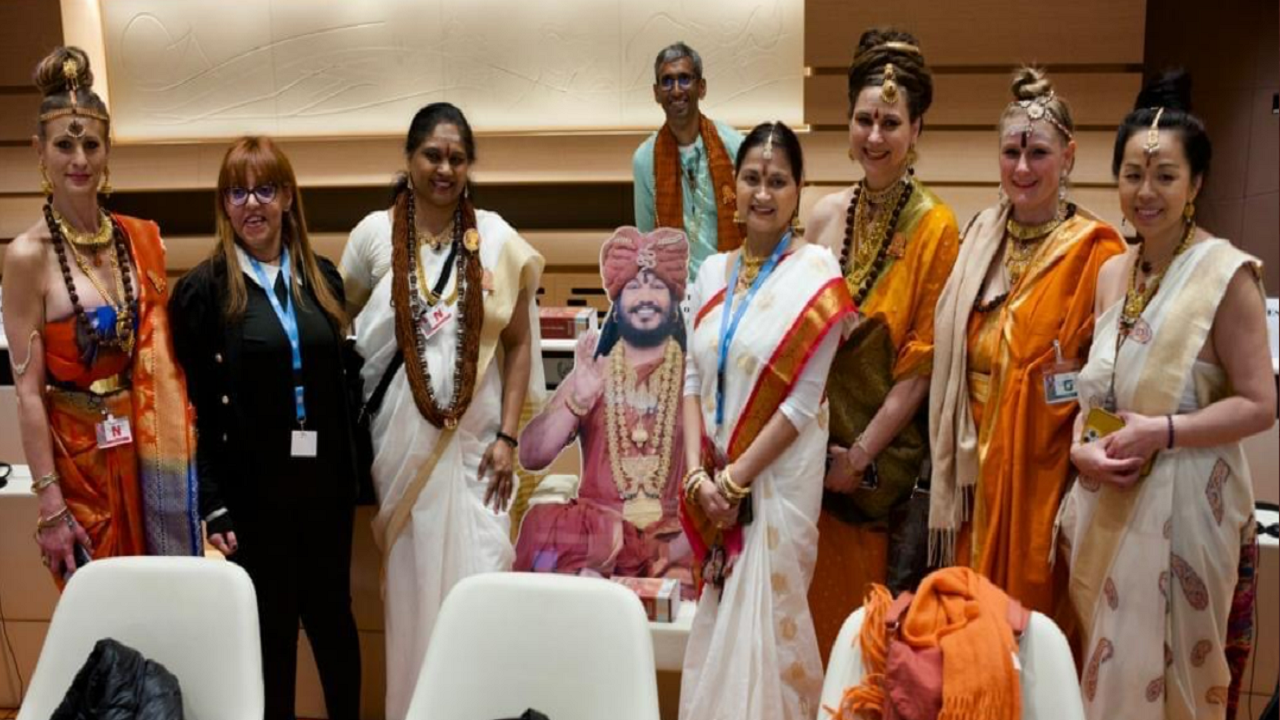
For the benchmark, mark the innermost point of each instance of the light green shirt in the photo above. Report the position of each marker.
(699, 202)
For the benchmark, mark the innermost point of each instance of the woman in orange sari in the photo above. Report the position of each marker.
(897, 243)
(106, 426)
(1013, 326)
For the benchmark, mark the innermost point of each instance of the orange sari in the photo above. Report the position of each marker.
(1022, 442)
(893, 341)
(140, 497)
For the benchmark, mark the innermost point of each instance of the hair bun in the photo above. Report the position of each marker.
(1030, 83)
(1171, 90)
(51, 77)
(876, 37)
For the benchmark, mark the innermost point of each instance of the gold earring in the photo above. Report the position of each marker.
(46, 185)
(912, 157)
(852, 156)
(1189, 211)
(737, 219)
(105, 190)
(797, 227)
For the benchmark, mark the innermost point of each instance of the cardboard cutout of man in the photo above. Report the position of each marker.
(683, 173)
(621, 403)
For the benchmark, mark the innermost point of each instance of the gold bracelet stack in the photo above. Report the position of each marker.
(62, 516)
(692, 480)
(45, 481)
(729, 490)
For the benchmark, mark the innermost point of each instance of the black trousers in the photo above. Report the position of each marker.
(300, 562)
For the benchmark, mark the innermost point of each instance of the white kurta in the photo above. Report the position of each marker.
(1155, 596)
(451, 534)
(752, 651)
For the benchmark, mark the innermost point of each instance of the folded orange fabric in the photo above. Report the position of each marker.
(961, 612)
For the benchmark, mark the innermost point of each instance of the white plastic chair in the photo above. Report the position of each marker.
(571, 647)
(1050, 690)
(197, 617)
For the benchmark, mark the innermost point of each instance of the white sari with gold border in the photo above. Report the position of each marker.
(1154, 566)
(432, 524)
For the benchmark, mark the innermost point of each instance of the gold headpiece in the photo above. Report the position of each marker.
(889, 88)
(1152, 146)
(768, 143)
(903, 47)
(1038, 108)
(71, 71)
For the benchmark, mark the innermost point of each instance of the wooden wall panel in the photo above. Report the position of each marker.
(18, 111)
(984, 32)
(977, 100)
(29, 29)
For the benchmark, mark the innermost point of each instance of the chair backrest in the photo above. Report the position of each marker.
(571, 647)
(1048, 676)
(197, 617)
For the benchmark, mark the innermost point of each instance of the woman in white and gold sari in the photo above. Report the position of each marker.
(766, 323)
(1159, 526)
(456, 308)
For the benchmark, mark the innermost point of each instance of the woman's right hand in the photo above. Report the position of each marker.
(1091, 460)
(222, 535)
(721, 512)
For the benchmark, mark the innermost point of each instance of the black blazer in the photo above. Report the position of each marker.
(210, 352)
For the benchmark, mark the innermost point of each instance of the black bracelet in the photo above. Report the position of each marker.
(508, 440)
(1170, 419)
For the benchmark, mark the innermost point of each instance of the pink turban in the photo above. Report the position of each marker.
(664, 251)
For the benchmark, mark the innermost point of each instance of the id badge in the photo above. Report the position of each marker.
(113, 432)
(435, 320)
(1060, 379)
(302, 443)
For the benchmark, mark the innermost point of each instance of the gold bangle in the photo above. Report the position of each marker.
(692, 480)
(63, 515)
(45, 481)
(731, 491)
(574, 408)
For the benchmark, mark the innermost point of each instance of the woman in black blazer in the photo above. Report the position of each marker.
(258, 326)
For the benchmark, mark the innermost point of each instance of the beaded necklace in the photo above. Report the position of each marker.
(124, 335)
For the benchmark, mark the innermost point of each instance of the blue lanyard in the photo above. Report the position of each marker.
(729, 327)
(289, 321)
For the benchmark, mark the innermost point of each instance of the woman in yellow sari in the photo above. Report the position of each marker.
(897, 243)
(1162, 560)
(1012, 327)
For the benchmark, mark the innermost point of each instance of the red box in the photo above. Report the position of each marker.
(564, 323)
(659, 596)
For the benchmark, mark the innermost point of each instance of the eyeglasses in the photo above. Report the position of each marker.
(669, 82)
(239, 196)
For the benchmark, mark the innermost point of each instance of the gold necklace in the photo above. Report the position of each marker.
(751, 265)
(119, 303)
(424, 286)
(871, 234)
(435, 241)
(97, 239)
(1018, 256)
(1018, 231)
(641, 478)
(1138, 295)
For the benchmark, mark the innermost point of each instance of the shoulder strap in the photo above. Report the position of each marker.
(375, 400)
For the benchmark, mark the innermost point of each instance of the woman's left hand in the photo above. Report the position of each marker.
(499, 463)
(1140, 437)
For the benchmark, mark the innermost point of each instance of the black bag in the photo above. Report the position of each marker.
(362, 438)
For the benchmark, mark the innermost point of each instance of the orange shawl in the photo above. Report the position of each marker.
(669, 195)
(963, 614)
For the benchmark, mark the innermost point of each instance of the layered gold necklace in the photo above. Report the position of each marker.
(1139, 294)
(435, 241)
(1024, 243)
(641, 475)
(867, 238)
(100, 238)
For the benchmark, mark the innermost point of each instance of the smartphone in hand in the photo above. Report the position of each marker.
(82, 558)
